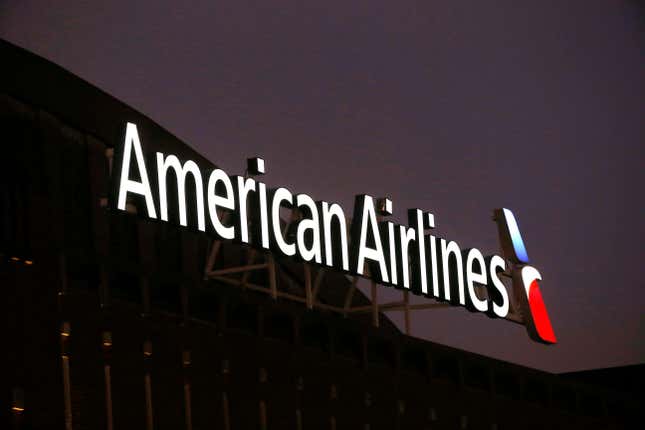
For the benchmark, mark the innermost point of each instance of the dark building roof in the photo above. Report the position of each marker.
(623, 379)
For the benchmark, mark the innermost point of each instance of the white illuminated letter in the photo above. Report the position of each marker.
(214, 201)
(328, 214)
(434, 265)
(476, 277)
(498, 264)
(392, 251)
(423, 275)
(244, 187)
(368, 220)
(315, 252)
(406, 235)
(264, 223)
(448, 248)
(281, 195)
(191, 167)
(126, 185)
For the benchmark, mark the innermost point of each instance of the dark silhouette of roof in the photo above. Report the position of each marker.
(624, 379)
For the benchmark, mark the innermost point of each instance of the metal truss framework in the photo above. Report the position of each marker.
(313, 284)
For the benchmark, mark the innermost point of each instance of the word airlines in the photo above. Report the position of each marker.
(244, 209)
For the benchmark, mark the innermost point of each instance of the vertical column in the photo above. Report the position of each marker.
(374, 298)
(406, 311)
(107, 369)
(225, 406)
(65, 331)
(333, 396)
(18, 407)
(368, 403)
(67, 396)
(186, 361)
(190, 269)
(146, 242)
(432, 415)
(183, 296)
(308, 291)
(400, 413)
(62, 265)
(101, 224)
(300, 386)
(145, 295)
(463, 422)
(273, 282)
(147, 383)
(262, 377)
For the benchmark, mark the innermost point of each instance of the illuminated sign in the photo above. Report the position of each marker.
(525, 278)
(409, 258)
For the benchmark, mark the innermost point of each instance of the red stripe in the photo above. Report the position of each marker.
(540, 316)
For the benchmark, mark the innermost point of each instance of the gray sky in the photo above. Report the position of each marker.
(456, 107)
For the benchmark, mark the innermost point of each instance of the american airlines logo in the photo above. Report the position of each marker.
(525, 279)
(412, 258)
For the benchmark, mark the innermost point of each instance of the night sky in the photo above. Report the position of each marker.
(455, 107)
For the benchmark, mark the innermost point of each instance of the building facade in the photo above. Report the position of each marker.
(111, 322)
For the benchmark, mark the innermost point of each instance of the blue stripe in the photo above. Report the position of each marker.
(516, 236)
